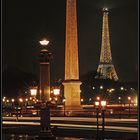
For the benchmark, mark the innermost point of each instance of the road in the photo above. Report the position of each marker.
(79, 119)
(76, 123)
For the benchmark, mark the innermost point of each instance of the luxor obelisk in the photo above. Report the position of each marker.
(71, 83)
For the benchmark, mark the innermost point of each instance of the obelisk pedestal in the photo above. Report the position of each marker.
(73, 103)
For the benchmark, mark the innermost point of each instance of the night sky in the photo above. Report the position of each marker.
(25, 22)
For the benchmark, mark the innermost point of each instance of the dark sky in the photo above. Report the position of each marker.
(25, 22)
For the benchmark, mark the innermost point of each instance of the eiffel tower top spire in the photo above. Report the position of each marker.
(105, 56)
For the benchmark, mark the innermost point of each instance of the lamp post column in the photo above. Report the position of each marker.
(103, 105)
(97, 103)
(45, 57)
(129, 102)
(103, 123)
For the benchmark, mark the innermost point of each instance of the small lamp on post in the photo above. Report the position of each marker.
(21, 104)
(12, 100)
(56, 92)
(103, 106)
(33, 92)
(97, 103)
(120, 102)
(129, 102)
(98, 98)
(82, 100)
(26, 103)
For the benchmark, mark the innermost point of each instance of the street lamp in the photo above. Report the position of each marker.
(98, 98)
(122, 88)
(82, 100)
(12, 100)
(103, 105)
(120, 102)
(97, 103)
(45, 57)
(26, 103)
(101, 87)
(21, 103)
(33, 92)
(129, 102)
(56, 91)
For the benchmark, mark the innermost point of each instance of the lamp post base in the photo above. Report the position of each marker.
(46, 135)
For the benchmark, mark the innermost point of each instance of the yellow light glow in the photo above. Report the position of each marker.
(105, 9)
(33, 92)
(97, 103)
(26, 99)
(98, 98)
(50, 98)
(119, 98)
(56, 91)
(111, 112)
(44, 42)
(7, 101)
(20, 99)
(64, 100)
(103, 103)
(122, 88)
(129, 98)
(82, 100)
(12, 100)
(101, 87)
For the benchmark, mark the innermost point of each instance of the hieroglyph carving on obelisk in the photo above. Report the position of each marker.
(71, 83)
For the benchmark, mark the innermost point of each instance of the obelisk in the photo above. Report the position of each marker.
(71, 83)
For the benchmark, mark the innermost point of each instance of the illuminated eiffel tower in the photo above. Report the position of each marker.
(106, 68)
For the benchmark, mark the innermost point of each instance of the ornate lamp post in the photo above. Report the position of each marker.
(45, 57)
(103, 105)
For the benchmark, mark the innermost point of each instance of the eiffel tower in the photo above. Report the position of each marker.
(106, 68)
